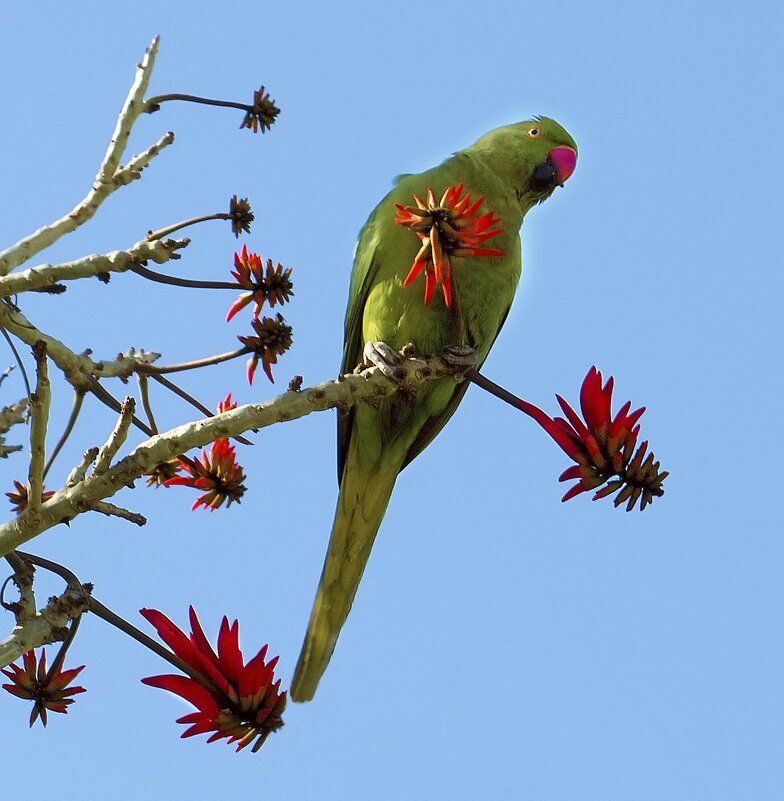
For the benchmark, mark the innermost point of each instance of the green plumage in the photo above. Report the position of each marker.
(509, 167)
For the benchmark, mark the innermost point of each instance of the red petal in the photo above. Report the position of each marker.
(186, 688)
(446, 280)
(486, 251)
(173, 636)
(570, 473)
(573, 417)
(199, 727)
(573, 492)
(251, 369)
(229, 653)
(430, 286)
(242, 301)
(562, 439)
(592, 399)
(474, 208)
(65, 677)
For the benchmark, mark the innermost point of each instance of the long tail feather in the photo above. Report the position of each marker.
(360, 509)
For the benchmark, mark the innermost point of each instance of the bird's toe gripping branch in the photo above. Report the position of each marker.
(459, 357)
(379, 354)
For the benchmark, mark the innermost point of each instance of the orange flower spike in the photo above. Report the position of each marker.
(449, 228)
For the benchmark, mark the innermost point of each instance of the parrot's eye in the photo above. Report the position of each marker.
(534, 132)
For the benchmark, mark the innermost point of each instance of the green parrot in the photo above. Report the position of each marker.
(513, 168)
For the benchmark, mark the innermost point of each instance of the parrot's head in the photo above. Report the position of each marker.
(534, 157)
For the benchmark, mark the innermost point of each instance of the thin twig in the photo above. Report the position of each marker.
(190, 399)
(150, 105)
(19, 361)
(485, 383)
(144, 392)
(154, 371)
(109, 400)
(153, 235)
(110, 510)
(57, 663)
(69, 426)
(172, 280)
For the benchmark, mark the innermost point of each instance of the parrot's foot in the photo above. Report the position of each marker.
(379, 354)
(459, 357)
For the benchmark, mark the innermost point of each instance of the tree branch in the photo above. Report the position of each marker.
(368, 386)
(108, 179)
(118, 261)
(39, 419)
(48, 626)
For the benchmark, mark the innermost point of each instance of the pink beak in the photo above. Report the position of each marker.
(564, 159)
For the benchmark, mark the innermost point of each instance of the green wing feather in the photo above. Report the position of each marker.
(365, 269)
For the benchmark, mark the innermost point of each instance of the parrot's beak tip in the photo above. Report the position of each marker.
(564, 160)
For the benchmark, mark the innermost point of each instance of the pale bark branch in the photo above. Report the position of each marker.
(118, 261)
(109, 178)
(79, 369)
(117, 437)
(48, 626)
(110, 510)
(39, 419)
(10, 416)
(369, 386)
(80, 471)
(133, 169)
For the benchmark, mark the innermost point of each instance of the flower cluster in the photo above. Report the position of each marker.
(241, 215)
(446, 229)
(271, 286)
(236, 701)
(262, 113)
(603, 446)
(227, 404)
(217, 473)
(162, 472)
(21, 496)
(272, 339)
(48, 690)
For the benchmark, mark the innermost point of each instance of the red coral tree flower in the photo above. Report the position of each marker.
(271, 286)
(602, 446)
(272, 337)
(48, 690)
(227, 404)
(262, 113)
(216, 472)
(21, 496)
(236, 701)
(446, 229)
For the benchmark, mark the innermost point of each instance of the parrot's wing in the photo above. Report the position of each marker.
(429, 432)
(362, 276)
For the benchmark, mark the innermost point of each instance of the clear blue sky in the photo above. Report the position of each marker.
(502, 645)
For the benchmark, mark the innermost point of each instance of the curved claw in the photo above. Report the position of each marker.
(460, 356)
(379, 354)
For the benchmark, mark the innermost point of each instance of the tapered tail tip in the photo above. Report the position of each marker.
(308, 673)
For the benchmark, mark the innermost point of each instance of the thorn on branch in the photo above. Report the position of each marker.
(54, 289)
